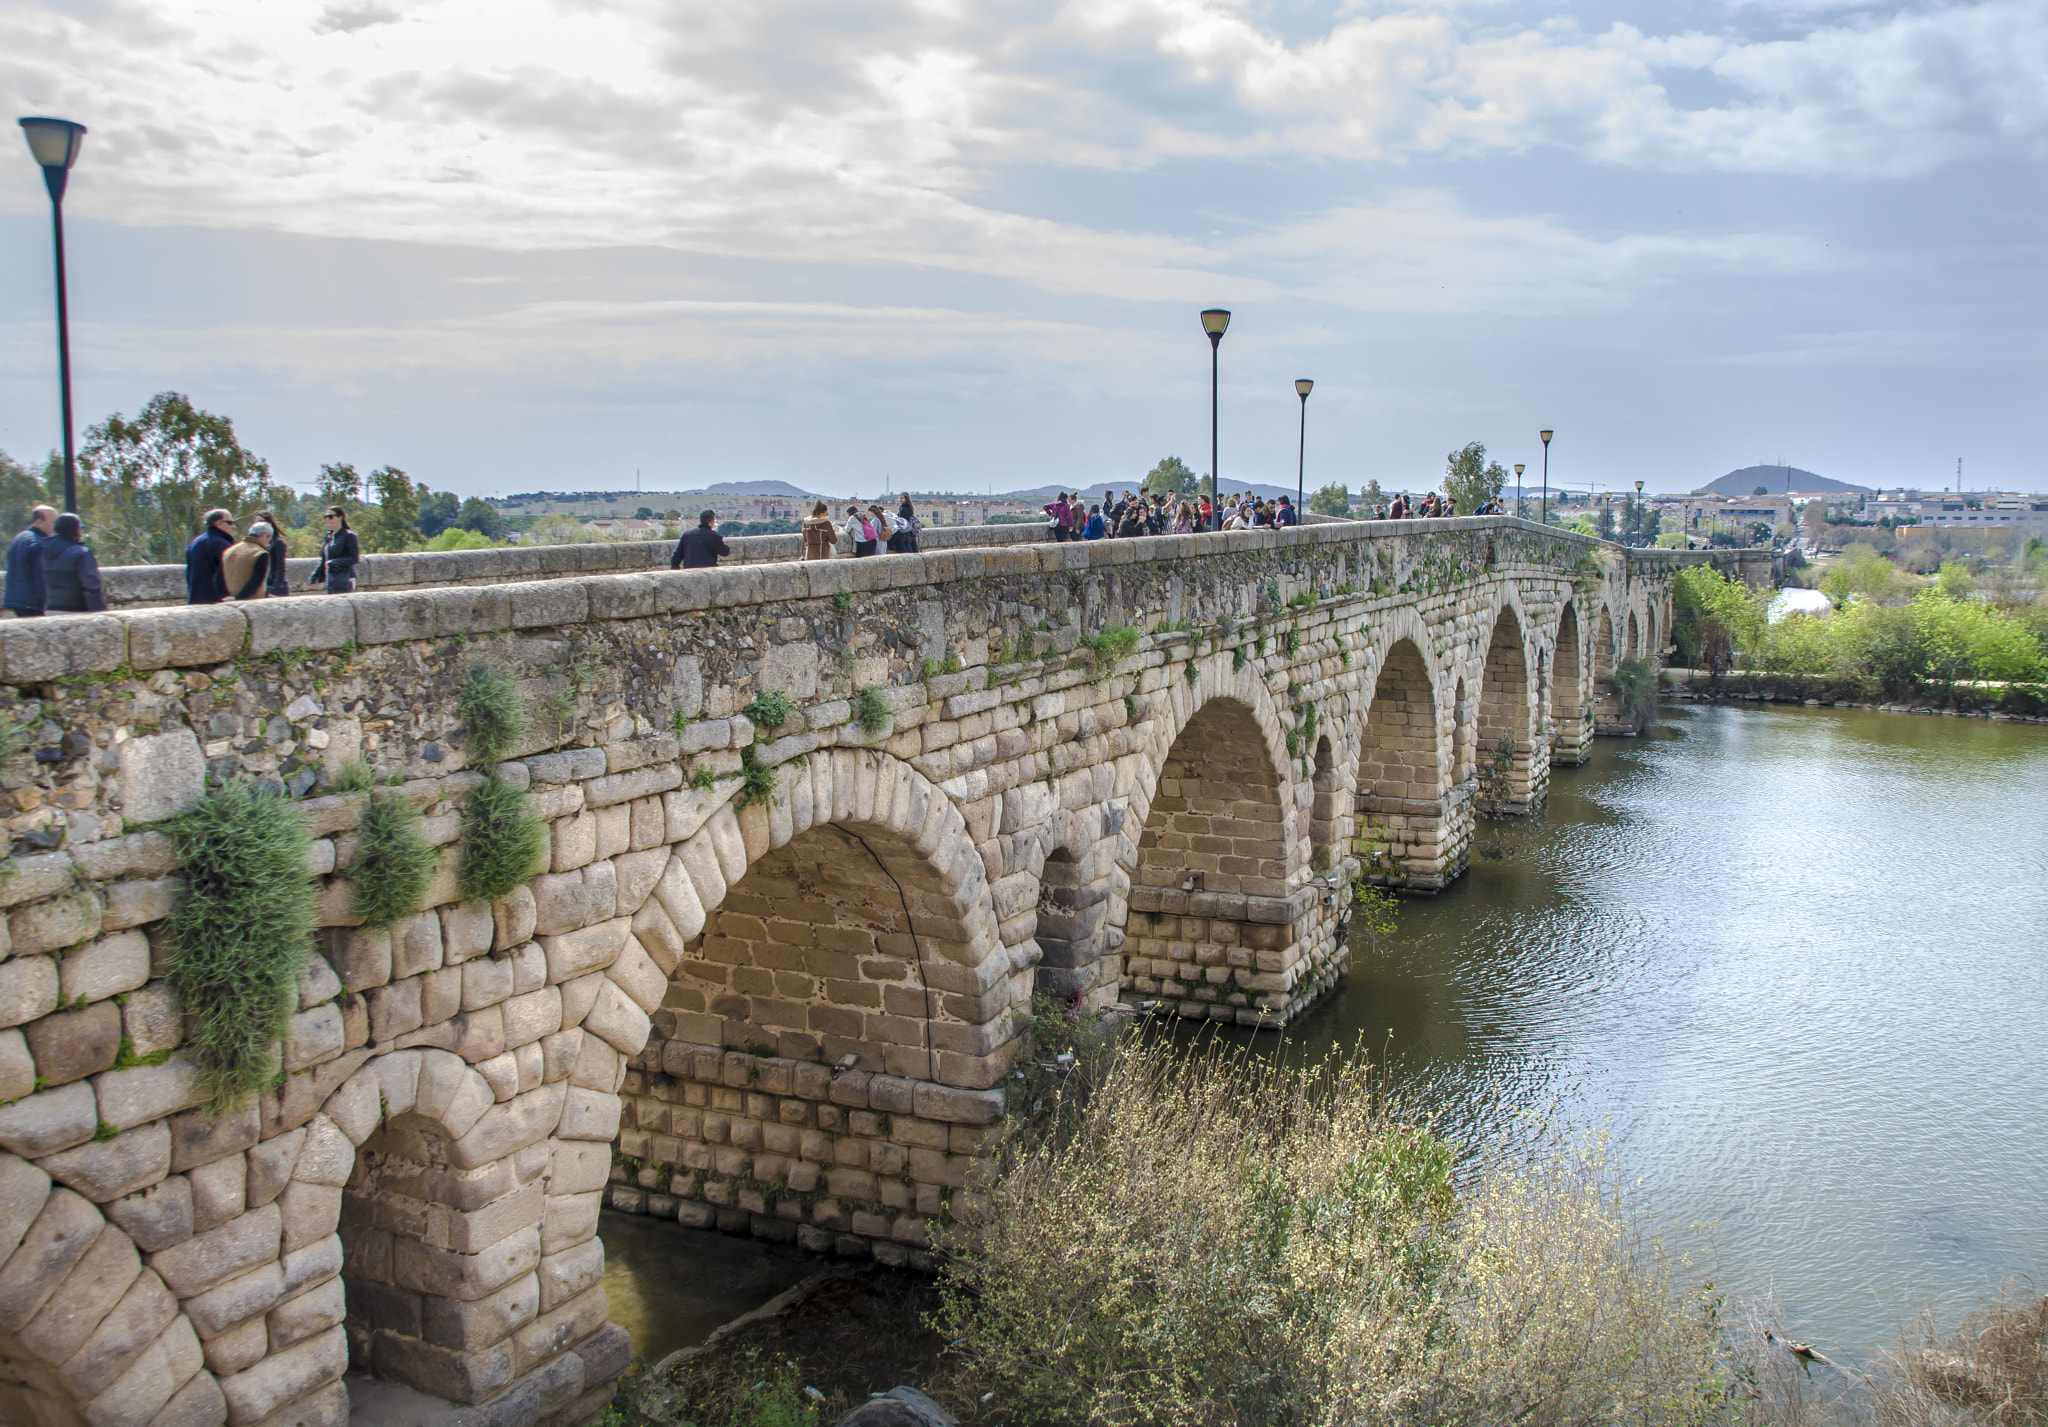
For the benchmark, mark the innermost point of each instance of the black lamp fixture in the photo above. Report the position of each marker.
(1302, 387)
(1215, 322)
(1518, 491)
(1546, 435)
(55, 144)
(1639, 511)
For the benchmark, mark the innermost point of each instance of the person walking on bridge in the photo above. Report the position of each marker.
(204, 583)
(24, 592)
(700, 548)
(71, 573)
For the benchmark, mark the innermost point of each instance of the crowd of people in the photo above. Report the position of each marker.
(1068, 517)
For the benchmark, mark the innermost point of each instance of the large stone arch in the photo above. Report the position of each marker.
(1414, 821)
(1221, 920)
(1512, 778)
(1571, 722)
(1632, 643)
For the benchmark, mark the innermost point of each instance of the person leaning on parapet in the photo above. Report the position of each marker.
(1286, 515)
(24, 593)
(204, 583)
(700, 548)
(246, 565)
(863, 532)
(71, 574)
(820, 535)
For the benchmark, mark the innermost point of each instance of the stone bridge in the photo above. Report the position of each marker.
(772, 978)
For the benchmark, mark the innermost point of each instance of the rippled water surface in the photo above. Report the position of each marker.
(1797, 962)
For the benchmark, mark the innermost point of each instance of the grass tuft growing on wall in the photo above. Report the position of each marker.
(871, 710)
(239, 935)
(771, 708)
(492, 713)
(759, 779)
(503, 844)
(393, 862)
(1109, 647)
(354, 776)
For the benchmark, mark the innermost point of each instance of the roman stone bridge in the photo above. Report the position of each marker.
(816, 833)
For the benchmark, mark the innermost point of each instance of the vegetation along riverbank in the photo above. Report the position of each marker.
(1196, 1234)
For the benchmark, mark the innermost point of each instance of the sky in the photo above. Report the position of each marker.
(510, 245)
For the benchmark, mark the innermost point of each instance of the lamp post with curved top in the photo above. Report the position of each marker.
(1215, 322)
(55, 144)
(1518, 491)
(1302, 387)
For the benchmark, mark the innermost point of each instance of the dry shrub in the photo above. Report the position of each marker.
(1993, 1369)
(1217, 1238)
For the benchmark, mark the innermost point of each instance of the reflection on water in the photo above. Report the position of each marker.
(1794, 961)
(670, 1286)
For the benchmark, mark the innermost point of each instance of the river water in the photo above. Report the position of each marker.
(1793, 961)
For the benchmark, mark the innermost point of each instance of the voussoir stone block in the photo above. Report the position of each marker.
(204, 1260)
(116, 1167)
(72, 1044)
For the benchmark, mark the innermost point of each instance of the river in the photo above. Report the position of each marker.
(1793, 961)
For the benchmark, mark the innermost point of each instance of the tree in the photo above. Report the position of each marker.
(438, 510)
(1470, 479)
(145, 483)
(1330, 500)
(482, 517)
(1761, 490)
(340, 485)
(1371, 496)
(1174, 478)
(392, 526)
(20, 492)
(645, 512)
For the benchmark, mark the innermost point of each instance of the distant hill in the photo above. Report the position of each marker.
(1773, 478)
(754, 488)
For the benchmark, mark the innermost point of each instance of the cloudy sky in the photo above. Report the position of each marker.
(511, 244)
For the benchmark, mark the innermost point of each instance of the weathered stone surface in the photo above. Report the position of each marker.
(128, 1098)
(106, 967)
(130, 1327)
(162, 774)
(313, 1311)
(49, 1121)
(285, 1377)
(241, 1298)
(116, 1167)
(87, 1294)
(57, 1239)
(17, 1067)
(69, 1045)
(157, 1217)
(28, 989)
(55, 923)
(207, 1259)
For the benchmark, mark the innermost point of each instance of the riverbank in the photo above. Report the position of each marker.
(1999, 702)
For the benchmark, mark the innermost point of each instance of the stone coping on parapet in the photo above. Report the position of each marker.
(184, 636)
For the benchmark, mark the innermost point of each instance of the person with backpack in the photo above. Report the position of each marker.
(903, 540)
(1094, 529)
(1056, 516)
(246, 566)
(863, 532)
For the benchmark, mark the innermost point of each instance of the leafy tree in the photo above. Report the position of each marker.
(1330, 500)
(1174, 478)
(393, 525)
(1761, 490)
(340, 485)
(438, 510)
(1371, 496)
(645, 512)
(482, 517)
(1954, 582)
(1470, 479)
(20, 492)
(1715, 620)
(145, 483)
(456, 538)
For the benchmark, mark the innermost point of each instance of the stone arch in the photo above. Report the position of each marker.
(1632, 645)
(1462, 731)
(836, 995)
(1569, 724)
(1219, 920)
(1505, 720)
(1603, 647)
(1409, 814)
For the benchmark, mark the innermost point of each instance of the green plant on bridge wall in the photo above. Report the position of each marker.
(1635, 689)
(239, 935)
(394, 863)
(1110, 646)
(494, 717)
(503, 844)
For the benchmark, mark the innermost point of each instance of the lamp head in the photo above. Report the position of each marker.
(1546, 435)
(1518, 468)
(1215, 321)
(1302, 387)
(1639, 487)
(55, 144)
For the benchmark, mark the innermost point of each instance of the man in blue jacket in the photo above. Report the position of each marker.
(71, 574)
(699, 549)
(204, 582)
(24, 592)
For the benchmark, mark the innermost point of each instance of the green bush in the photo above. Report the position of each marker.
(770, 709)
(493, 716)
(871, 710)
(239, 935)
(1635, 687)
(1110, 646)
(393, 862)
(760, 781)
(503, 844)
(354, 776)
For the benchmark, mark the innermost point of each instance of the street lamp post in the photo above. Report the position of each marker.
(1518, 492)
(55, 144)
(1639, 511)
(1216, 321)
(1546, 435)
(1302, 387)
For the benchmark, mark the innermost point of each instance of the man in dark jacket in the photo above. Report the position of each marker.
(71, 575)
(24, 593)
(699, 549)
(204, 582)
(1286, 515)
